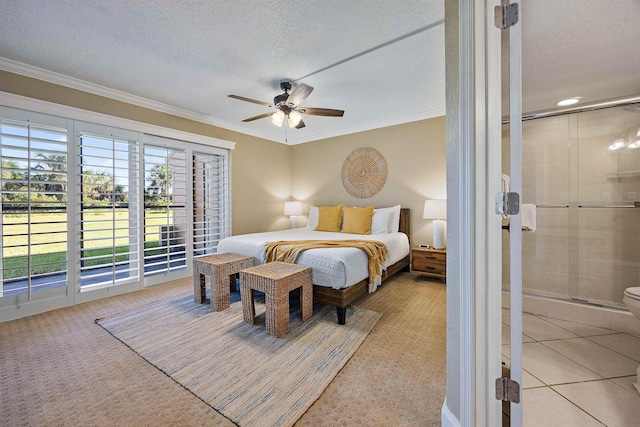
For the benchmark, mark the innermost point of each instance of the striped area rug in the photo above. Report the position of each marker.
(250, 377)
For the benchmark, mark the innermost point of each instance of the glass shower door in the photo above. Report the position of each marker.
(608, 224)
(546, 258)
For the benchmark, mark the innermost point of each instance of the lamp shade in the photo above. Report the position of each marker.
(294, 119)
(292, 208)
(435, 209)
(277, 118)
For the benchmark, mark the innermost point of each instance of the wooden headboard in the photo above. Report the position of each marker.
(405, 222)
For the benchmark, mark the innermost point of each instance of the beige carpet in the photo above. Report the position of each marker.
(249, 376)
(60, 368)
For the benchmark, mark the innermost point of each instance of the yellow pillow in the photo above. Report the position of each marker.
(329, 218)
(357, 220)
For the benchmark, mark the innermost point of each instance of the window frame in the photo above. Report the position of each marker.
(19, 108)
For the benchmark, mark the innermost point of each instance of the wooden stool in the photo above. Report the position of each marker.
(217, 272)
(276, 280)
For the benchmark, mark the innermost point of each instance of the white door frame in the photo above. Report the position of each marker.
(475, 299)
(487, 228)
(515, 221)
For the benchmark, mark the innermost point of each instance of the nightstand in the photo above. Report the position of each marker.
(429, 262)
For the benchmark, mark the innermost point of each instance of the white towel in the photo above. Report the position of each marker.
(528, 213)
(505, 187)
(505, 183)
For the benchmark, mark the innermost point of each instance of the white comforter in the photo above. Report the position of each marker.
(337, 268)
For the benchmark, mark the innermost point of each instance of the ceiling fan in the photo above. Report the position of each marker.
(288, 106)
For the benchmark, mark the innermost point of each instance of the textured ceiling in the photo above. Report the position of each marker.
(381, 61)
(584, 48)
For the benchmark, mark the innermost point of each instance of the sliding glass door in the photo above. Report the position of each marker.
(34, 185)
(185, 213)
(165, 209)
(90, 210)
(108, 165)
(209, 201)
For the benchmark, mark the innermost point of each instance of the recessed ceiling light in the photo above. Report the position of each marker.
(569, 101)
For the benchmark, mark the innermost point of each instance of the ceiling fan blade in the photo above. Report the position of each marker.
(300, 125)
(299, 94)
(242, 98)
(328, 112)
(261, 116)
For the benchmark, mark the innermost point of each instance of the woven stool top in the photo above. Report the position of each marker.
(276, 270)
(218, 259)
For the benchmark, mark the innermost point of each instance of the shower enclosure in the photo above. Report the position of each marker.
(582, 172)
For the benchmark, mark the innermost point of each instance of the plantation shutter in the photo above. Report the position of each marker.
(33, 188)
(165, 210)
(210, 196)
(82, 218)
(109, 250)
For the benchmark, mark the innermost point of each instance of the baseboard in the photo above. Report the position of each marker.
(448, 419)
(602, 317)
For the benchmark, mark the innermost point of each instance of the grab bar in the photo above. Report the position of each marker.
(634, 205)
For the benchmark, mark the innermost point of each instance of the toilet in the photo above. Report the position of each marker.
(632, 301)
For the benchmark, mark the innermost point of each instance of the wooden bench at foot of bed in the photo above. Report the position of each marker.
(341, 298)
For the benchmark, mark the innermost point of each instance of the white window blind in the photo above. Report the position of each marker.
(209, 202)
(165, 214)
(34, 207)
(73, 218)
(109, 251)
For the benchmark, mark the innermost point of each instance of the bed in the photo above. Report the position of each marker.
(339, 275)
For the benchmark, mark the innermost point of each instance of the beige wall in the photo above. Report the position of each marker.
(416, 162)
(260, 168)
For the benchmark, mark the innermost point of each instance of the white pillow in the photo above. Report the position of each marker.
(313, 217)
(380, 222)
(394, 218)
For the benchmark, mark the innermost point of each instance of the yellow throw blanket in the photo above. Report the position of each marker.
(288, 251)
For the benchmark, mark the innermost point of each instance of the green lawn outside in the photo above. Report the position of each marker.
(48, 256)
(54, 228)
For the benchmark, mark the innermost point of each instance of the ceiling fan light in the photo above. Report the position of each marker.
(294, 119)
(277, 118)
(634, 145)
(617, 144)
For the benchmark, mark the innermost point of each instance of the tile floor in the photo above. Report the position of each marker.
(575, 374)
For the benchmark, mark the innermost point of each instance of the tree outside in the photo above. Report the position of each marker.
(34, 209)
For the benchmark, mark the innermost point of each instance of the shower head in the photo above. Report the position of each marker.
(633, 108)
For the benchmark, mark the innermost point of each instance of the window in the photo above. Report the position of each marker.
(34, 207)
(209, 202)
(165, 214)
(108, 169)
(90, 210)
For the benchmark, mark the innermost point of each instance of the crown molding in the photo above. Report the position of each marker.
(27, 70)
(438, 112)
(45, 107)
(31, 71)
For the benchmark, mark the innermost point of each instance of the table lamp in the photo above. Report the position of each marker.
(436, 210)
(293, 209)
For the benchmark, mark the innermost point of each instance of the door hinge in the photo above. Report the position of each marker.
(507, 203)
(507, 390)
(506, 16)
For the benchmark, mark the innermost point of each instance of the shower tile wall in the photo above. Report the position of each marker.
(579, 252)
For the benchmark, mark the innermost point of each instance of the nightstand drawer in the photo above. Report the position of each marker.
(432, 265)
(430, 256)
(429, 262)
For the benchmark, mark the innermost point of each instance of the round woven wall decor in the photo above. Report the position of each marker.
(364, 172)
